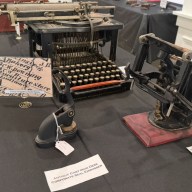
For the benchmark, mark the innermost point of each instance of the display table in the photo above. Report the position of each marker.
(138, 22)
(132, 167)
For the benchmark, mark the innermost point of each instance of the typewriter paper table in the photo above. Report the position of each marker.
(132, 166)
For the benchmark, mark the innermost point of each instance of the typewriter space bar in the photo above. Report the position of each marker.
(95, 85)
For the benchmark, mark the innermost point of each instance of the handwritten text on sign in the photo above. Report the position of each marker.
(20, 73)
(71, 175)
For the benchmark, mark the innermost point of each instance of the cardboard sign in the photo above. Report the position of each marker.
(20, 73)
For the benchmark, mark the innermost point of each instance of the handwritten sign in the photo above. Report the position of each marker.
(20, 73)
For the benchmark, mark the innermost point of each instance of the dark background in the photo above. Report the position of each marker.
(137, 22)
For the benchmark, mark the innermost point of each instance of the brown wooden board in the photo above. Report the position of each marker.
(150, 135)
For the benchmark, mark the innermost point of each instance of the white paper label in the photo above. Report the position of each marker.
(177, 1)
(189, 148)
(62, 1)
(71, 175)
(122, 68)
(64, 147)
(163, 4)
(35, 92)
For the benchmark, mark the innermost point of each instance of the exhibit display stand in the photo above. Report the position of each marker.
(184, 19)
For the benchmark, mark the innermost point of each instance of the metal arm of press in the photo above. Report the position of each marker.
(177, 60)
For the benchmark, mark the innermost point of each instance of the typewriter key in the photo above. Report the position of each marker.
(98, 68)
(96, 79)
(62, 85)
(109, 67)
(117, 71)
(90, 80)
(66, 72)
(97, 74)
(73, 67)
(88, 70)
(99, 63)
(94, 64)
(117, 76)
(109, 61)
(81, 76)
(94, 69)
(112, 77)
(61, 67)
(104, 68)
(85, 81)
(102, 73)
(83, 71)
(102, 78)
(80, 82)
(105, 63)
(72, 72)
(69, 77)
(77, 71)
(84, 65)
(86, 75)
(107, 78)
(75, 77)
(78, 66)
(89, 64)
(91, 75)
(74, 83)
(67, 67)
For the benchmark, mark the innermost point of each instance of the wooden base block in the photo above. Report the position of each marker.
(150, 135)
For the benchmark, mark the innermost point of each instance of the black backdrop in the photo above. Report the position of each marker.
(138, 22)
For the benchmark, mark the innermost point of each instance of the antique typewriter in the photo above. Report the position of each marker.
(89, 72)
(73, 35)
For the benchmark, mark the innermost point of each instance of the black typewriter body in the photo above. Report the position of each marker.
(76, 49)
